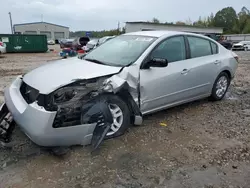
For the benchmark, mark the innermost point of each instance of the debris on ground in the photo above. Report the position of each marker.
(163, 124)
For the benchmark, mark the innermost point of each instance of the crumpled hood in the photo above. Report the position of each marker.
(54, 75)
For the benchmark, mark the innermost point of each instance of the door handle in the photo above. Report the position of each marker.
(184, 71)
(217, 62)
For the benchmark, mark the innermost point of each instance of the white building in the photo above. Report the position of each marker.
(238, 37)
(146, 26)
(52, 31)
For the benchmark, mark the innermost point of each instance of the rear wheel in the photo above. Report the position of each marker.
(220, 86)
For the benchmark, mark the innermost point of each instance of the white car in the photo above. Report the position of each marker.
(243, 45)
(51, 42)
(2, 48)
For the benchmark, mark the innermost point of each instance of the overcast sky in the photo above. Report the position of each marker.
(105, 14)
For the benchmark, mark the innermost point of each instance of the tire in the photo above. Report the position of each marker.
(117, 101)
(219, 89)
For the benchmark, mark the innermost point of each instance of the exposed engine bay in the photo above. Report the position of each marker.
(69, 100)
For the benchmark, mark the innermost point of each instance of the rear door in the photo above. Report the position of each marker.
(204, 65)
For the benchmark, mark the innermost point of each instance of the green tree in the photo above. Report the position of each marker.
(169, 23)
(123, 30)
(210, 20)
(155, 20)
(246, 29)
(226, 18)
(205, 22)
(201, 22)
(180, 23)
(189, 22)
(243, 21)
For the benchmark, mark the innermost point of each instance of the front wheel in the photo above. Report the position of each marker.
(121, 116)
(220, 86)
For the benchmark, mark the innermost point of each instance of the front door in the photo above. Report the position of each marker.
(162, 86)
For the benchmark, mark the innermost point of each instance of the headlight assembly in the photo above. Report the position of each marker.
(66, 94)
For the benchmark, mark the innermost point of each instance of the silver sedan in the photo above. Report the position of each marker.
(78, 100)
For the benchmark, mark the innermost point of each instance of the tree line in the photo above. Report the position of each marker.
(227, 18)
(98, 34)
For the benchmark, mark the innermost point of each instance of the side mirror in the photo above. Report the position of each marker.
(156, 62)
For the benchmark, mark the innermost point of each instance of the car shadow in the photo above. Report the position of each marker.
(179, 108)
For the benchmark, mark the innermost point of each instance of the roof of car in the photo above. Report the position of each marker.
(158, 33)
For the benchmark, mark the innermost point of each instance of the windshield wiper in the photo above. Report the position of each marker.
(95, 61)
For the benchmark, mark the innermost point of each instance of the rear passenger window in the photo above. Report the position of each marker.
(199, 47)
(214, 48)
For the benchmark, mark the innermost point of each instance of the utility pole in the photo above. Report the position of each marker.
(41, 17)
(118, 28)
(11, 26)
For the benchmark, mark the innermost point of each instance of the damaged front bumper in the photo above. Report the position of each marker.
(37, 123)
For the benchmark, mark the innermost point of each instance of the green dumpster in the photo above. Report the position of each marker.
(24, 43)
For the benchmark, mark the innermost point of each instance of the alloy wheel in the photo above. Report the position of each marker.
(117, 119)
(221, 86)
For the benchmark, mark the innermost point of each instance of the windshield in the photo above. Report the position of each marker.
(121, 51)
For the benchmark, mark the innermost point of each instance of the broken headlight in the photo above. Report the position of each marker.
(107, 86)
(64, 95)
(67, 94)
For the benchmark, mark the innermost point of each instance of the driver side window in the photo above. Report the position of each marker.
(173, 49)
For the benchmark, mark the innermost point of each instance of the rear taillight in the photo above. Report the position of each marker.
(1, 43)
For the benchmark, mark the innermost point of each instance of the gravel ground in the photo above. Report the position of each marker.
(205, 144)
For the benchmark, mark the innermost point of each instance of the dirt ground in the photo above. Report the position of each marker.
(205, 144)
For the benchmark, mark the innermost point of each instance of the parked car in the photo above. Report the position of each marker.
(51, 42)
(222, 40)
(104, 39)
(2, 48)
(227, 44)
(79, 42)
(91, 45)
(243, 45)
(97, 42)
(82, 100)
(66, 43)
